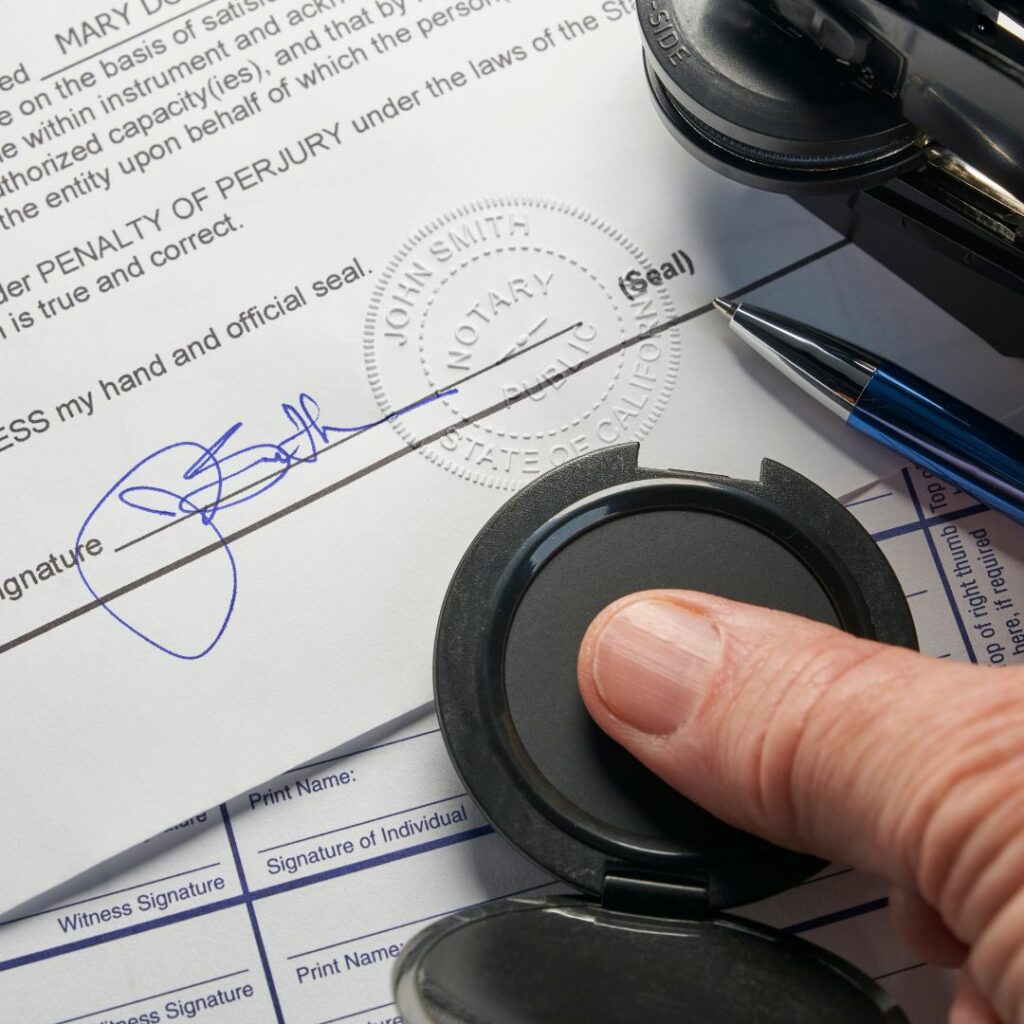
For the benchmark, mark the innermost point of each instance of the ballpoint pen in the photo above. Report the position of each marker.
(931, 428)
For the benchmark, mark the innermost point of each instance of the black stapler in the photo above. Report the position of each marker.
(899, 122)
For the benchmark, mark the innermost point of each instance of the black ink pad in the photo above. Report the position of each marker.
(647, 940)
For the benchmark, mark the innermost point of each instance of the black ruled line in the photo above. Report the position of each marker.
(436, 393)
(408, 449)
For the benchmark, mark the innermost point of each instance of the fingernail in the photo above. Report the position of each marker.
(653, 660)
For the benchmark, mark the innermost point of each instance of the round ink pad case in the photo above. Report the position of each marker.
(647, 939)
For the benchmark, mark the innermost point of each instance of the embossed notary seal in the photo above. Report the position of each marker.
(491, 279)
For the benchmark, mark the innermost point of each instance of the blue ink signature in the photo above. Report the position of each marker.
(206, 480)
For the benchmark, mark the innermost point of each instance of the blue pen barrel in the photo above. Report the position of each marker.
(942, 434)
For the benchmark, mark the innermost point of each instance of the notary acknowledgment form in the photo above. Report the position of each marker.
(290, 903)
(292, 294)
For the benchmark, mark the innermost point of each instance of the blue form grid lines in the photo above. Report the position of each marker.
(925, 525)
(246, 897)
(257, 935)
(249, 897)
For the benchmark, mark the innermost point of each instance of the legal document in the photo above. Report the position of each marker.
(293, 293)
(291, 902)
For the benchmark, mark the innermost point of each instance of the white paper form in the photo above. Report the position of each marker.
(961, 564)
(295, 910)
(291, 902)
(230, 232)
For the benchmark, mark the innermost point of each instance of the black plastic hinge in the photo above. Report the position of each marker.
(653, 895)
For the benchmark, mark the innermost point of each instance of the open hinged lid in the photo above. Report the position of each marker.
(562, 960)
(551, 558)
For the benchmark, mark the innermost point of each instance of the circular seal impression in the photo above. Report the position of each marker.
(510, 300)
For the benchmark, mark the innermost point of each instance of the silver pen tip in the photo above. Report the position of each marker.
(725, 308)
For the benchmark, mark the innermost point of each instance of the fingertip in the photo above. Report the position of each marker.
(585, 659)
(585, 662)
(650, 661)
(586, 666)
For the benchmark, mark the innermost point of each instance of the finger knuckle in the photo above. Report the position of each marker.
(787, 709)
(997, 961)
(963, 826)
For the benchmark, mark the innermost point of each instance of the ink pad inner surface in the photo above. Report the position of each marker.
(638, 551)
(655, 870)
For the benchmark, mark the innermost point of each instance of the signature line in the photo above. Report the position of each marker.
(259, 524)
(436, 393)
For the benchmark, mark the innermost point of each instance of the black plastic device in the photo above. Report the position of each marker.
(646, 940)
(900, 122)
